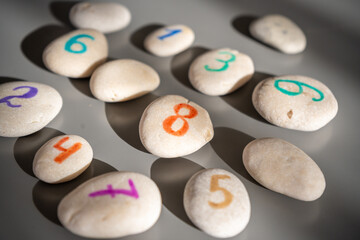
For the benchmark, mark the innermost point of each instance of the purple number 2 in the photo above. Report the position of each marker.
(112, 192)
(31, 93)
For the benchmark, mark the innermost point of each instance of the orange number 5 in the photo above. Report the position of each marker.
(66, 152)
(214, 186)
(168, 122)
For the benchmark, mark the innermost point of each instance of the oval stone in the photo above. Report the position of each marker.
(279, 32)
(122, 80)
(62, 159)
(220, 71)
(169, 40)
(104, 17)
(282, 167)
(172, 126)
(76, 54)
(27, 107)
(111, 205)
(217, 202)
(295, 102)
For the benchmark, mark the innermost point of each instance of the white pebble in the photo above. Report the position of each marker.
(217, 202)
(122, 80)
(105, 17)
(27, 107)
(295, 102)
(172, 126)
(220, 71)
(169, 40)
(284, 168)
(279, 32)
(62, 159)
(112, 205)
(77, 53)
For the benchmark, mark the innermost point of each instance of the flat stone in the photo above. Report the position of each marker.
(112, 205)
(221, 71)
(279, 32)
(27, 107)
(295, 102)
(169, 40)
(123, 80)
(105, 17)
(282, 167)
(62, 159)
(217, 202)
(76, 54)
(172, 126)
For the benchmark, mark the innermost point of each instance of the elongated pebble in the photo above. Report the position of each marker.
(217, 202)
(295, 102)
(282, 167)
(27, 107)
(105, 17)
(112, 205)
(172, 126)
(76, 54)
(62, 159)
(123, 80)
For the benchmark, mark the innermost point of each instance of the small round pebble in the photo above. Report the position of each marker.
(76, 54)
(169, 40)
(282, 167)
(27, 107)
(105, 17)
(220, 71)
(172, 126)
(62, 159)
(122, 80)
(217, 202)
(112, 205)
(279, 32)
(295, 102)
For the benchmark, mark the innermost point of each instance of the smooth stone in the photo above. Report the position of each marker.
(279, 32)
(294, 105)
(62, 159)
(282, 167)
(168, 134)
(122, 80)
(77, 60)
(28, 108)
(217, 202)
(227, 71)
(169, 40)
(111, 205)
(105, 17)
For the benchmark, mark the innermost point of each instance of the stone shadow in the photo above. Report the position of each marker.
(138, 37)
(60, 10)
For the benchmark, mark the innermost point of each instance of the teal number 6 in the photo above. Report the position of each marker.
(300, 85)
(226, 63)
(74, 40)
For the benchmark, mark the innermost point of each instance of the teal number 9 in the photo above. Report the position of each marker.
(300, 85)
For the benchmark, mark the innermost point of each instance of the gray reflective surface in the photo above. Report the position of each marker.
(28, 207)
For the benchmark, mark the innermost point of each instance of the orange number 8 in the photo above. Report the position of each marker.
(168, 122)
(214, 186)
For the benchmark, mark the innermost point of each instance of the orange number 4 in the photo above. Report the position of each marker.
(66, 152)
(214, 186)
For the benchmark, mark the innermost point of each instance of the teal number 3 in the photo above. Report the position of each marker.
(226, 63)
(74, 40)
(300, 85)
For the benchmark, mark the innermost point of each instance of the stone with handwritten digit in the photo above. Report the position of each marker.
(62, 159)
(105, 17)
(295, 102)
(221, 71)
(217, 202)
(123, 80)
(172, 126)
(284, 168)
(112, 205)
(279, 32)
(27, 107)
(169, 40)
(76, 54)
